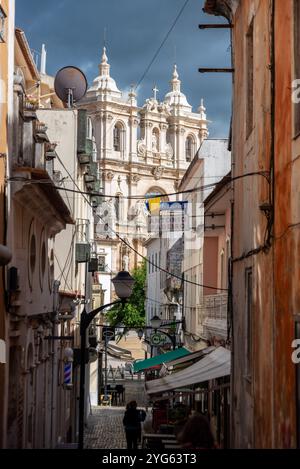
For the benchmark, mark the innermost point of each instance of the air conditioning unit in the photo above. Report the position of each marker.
(82, 252)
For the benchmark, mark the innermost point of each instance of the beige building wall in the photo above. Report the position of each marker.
(38, 405)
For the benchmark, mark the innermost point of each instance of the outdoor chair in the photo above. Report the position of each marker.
(120, 393)
(107, 401)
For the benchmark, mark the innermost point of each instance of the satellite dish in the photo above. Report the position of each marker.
(70, 85)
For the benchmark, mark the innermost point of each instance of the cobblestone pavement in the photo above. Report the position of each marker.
(105, 425)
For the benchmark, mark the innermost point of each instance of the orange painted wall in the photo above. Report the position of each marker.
(285, 246)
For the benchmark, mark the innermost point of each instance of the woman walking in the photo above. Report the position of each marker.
(132, 425)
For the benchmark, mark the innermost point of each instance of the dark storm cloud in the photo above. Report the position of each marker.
(73, 32)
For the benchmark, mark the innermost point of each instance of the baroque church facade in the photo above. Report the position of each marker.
(140, 151)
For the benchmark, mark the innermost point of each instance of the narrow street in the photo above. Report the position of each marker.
(149, 227)
(105, 424)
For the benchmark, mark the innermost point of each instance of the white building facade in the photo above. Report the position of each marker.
(140, 151)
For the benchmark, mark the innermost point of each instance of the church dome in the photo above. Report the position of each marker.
(175, 97)
(104, 83)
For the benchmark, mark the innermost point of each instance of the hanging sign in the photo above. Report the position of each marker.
(157, 339)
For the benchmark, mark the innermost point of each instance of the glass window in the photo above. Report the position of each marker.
(101, 264)
(189, 144)
(117, 138)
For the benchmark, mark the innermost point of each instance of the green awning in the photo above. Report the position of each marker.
(159, 359)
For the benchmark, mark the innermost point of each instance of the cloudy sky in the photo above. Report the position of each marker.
(73, 32)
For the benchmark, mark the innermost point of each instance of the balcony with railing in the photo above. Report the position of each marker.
(212, 316)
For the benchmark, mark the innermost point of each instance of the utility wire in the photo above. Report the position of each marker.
(163, 43)
(229, 180)
(152, 60)
(262, 173)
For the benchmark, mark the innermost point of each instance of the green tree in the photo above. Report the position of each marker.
(133, 313)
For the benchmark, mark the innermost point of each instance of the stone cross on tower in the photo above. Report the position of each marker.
(155, 91)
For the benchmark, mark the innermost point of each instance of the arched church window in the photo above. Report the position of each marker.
(117, 138)
(155, 141)
(189, 148)
(155, 192)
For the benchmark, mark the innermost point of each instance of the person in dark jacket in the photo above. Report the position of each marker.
(132, 425)
(197, 434)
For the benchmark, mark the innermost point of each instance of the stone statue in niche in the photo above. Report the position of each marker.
(140, 214)
(155, 143)
(141, 148)
(125, 262)
(169, 151)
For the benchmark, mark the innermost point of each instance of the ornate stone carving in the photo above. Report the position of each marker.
(141, 148)
(164, 108)
(163, 127)
(109, 175)
(158, 172)
(150, 105)
(133, 178)
(134, 122)
(182, 130)
(169, 151)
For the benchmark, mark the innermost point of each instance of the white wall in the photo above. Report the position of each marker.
(212, 164)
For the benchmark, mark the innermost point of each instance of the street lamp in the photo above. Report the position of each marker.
(123, 284)
(155, 322)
